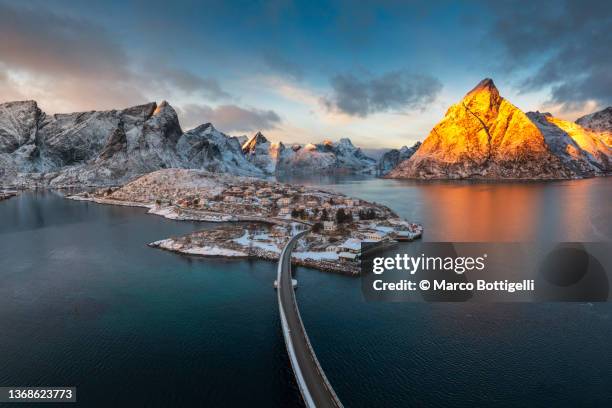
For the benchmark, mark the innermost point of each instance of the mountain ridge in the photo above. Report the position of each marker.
(484, 136)
(114, 146)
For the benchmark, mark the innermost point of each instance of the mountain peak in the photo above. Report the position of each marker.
(486, 84)
(255, 140)
(484, 136)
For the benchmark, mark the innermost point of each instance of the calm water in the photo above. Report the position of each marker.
(84, 302)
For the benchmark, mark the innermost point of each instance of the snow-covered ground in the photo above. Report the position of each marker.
(258, 241)
(208, 250)
(316, 255)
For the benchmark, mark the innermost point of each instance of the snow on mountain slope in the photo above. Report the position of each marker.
(107, 147)
(325, 157)
(578, 147)
(206, 148)
(600, 122)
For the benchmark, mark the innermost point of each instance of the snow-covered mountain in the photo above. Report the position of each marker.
(325, 157)
(485, 136)
(107, 147)
(580, 149)
(599, 122)
(393, 157)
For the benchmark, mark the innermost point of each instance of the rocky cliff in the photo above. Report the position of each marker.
(484, 136)
(389, 160)
(107, 147)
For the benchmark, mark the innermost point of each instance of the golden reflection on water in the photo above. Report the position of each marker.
(506, 212)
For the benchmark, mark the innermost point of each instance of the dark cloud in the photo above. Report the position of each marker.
(569, 43)
(228, 118)
(282, 65)
(393, 91)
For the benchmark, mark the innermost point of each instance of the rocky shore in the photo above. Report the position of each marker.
(5, 195)
(256, 241)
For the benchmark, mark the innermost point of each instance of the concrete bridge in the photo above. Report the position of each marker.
(312, 382)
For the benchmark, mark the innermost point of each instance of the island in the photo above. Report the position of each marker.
(259, 216)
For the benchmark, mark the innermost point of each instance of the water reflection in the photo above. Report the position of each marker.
(573, 210)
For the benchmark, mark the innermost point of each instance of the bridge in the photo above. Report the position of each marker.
(313, 384)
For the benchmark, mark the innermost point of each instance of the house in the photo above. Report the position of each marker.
(350, 202)
(284, 211)
(372, 235)
(284, 201)
(351, 245)
(312, 203)
(331, 248)
(347, 256)
(329, 226)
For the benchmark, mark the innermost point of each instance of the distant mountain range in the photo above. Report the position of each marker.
(111, 147)
(325, 157)
(484, 136)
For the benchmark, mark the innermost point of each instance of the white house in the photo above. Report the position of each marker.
(329, 226)
(284, 211)
(372, 235)
(351, 245)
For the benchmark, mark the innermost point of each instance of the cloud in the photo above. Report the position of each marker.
(283, 66)
(228, 118)
(567, 41)
(392, 91)
(190, 83)
(41, 41)
(70, 63)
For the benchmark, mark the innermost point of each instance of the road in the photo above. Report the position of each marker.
(314, 386)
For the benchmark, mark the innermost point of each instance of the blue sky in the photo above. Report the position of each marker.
(382, 73)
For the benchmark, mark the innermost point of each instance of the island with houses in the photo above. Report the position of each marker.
(259, 216)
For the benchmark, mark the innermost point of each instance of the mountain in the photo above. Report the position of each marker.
(580, 149)
(325, 157)
(107, 147)
(393, 157)
(263, 153)
(484, 136)
(599, 122)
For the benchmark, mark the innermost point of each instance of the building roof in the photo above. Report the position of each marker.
(347, 255)
(351, 243)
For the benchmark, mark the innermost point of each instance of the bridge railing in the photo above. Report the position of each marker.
(303, 333)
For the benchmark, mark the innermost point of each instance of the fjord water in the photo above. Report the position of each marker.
(84, 302)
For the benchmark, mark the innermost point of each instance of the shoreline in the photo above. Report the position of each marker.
(217, 251)
(348, 270)
(269, 214)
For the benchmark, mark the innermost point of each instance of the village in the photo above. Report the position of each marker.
(268, 214)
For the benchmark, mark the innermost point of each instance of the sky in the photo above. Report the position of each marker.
(381, 73)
